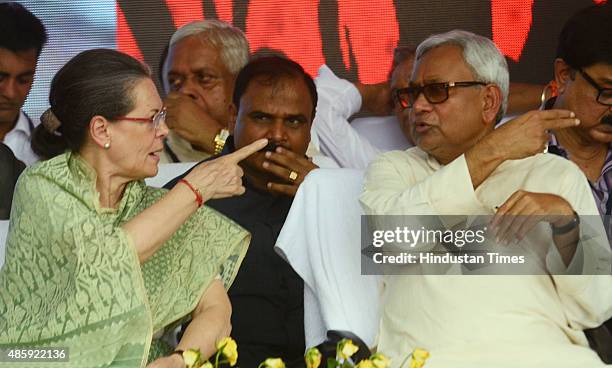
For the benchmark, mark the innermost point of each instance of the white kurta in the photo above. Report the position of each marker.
(484, 321)
(321, 241)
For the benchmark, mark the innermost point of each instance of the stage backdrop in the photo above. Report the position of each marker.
(354, 37)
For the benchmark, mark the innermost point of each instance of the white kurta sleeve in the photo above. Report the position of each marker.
(338, 101)
(586, 299)
(389, 188)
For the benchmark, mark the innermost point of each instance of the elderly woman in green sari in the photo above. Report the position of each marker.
(96, 261)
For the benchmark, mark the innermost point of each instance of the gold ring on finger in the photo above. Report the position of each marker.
(293, 175)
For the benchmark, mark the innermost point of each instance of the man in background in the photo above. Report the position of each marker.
(23, 37)
(583, 74)
(198, 75)
(340, 99)
(274, 98)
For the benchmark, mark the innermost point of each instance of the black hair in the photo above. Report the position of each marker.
(273, 68)
(401, 54)
(586, 38)
(20, 29)
(95, 82)
(161, 64)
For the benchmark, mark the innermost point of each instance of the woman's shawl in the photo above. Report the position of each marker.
(72, 278)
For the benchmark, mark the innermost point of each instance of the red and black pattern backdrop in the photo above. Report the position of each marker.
(356, 37)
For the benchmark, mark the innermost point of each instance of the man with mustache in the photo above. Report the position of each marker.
(273, 98)
(23, 36)
(463, 166)
(583, 74)
(340, 99)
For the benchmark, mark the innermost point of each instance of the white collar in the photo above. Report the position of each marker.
(24, 124)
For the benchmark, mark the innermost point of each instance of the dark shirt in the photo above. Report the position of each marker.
(10, 169)
(267, 295)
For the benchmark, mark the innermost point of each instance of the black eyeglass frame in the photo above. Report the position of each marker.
(413, 92)
(600, 90)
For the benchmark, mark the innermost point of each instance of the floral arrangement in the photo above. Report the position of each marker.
(346, 349)
(227, 353)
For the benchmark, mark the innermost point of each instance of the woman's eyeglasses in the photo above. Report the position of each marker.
(156, 120)
(434, 93)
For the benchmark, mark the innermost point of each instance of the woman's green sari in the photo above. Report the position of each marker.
(72, 278)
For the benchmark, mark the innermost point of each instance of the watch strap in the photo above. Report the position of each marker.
(567, 227)
(220, 139)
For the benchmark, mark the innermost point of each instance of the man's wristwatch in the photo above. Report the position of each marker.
(567, 227)
(220, 139)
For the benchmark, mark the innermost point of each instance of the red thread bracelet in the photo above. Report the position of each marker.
(195, 191)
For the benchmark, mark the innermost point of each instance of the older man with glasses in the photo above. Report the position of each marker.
(463, 166)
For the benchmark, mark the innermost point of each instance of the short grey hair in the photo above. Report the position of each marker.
(484, 59)
(230, 40)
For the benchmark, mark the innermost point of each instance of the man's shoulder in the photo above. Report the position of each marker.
(6, 154)
(10, 166)
(544, 172)
(411, 154)
(550, 164)
(410, 157)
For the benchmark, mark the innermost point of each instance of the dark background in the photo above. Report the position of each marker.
(151, 24)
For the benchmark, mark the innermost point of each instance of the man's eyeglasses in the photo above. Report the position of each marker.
(604, 95)
(434, 93)
(156, 120)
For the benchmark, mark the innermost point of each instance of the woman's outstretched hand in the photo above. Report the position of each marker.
(222, 177)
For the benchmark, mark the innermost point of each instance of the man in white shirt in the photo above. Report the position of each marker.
(462, 166)
(23, 36)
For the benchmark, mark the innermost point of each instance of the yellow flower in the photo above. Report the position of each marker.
(346, 349)
(418, 358)
(366, 363)
(229, 349)
(207, 365)
(192, 358)
(380, 361)
(272, 363)
(313, 358)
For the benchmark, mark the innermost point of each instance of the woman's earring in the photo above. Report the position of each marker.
(107, 145)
